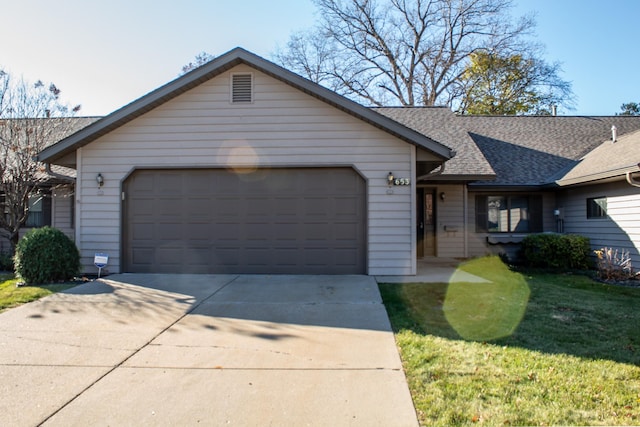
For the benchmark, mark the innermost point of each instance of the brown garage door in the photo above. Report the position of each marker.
(275, 221)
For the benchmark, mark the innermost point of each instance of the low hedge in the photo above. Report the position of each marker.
(46, 255)
(556, 251)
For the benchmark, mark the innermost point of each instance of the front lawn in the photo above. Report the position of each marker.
(524, 349)
(12, 295)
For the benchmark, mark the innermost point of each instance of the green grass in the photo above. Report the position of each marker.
(524, 349)
(11, 295)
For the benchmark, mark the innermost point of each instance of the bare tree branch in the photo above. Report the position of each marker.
(403, 52)
(31, 117)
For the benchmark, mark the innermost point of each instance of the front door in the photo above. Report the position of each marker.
(426, 227)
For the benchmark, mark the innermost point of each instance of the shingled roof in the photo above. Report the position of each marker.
(532, 150)
(442, 125)
(609, 160)
(522, 151)
(61, 128)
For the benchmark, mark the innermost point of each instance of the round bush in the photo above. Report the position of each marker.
(46, 255)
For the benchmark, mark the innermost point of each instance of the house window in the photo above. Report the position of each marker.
(39, 211)
(596, 207)
(241, 88)
(508, 214)
(36, 214)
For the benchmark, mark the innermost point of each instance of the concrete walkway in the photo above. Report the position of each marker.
(435, 270)
(207, 350)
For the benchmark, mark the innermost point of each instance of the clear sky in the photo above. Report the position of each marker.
(104, 54)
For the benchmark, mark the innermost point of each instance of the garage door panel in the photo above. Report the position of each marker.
(170, 182)
(227, 206)
(347, 206)
(278, 221)
(197, 206)
(194, 232)
(143, 231)
(287, 232)
(226, 256)
(143, 256)
(346, 232)
(345, 257)
(143, 184)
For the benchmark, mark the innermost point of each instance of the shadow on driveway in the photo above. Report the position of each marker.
(186, 349)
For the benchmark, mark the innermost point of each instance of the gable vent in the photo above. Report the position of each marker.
(241, 88)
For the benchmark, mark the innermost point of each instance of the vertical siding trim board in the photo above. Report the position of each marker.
(78, 200)
(465, 222)
(54, 209)
(414, 213)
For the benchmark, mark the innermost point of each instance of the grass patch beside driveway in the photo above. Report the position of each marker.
(526, 349)
(12, 295)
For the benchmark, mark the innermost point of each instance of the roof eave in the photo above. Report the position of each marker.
(463, 177)
(607, 176)
(486, 186)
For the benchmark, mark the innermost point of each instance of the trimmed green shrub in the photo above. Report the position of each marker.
(557, 251)
(46, 255)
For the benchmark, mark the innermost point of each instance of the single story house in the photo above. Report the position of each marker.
(241, 166)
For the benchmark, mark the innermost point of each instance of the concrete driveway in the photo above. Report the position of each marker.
(207, 350)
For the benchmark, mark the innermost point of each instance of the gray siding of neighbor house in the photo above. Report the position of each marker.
(621, 228)
(478, 244)
(282, 127)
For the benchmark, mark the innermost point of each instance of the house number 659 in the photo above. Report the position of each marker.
(402, 181)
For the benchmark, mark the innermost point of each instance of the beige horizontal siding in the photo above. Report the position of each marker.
(450, 215)
(62, 210)
(283, 127)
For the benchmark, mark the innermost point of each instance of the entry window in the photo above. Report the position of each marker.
(508, 214)
(596, 207)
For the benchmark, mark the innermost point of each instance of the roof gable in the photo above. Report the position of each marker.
(216, 67)
(611, 159)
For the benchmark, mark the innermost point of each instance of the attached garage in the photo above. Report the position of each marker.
(243, 167)
(263, 221)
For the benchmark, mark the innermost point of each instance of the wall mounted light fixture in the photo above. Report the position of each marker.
(100, 180)
(443, 196)
(390, 179)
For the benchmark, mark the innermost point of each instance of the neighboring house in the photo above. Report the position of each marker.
(540, 184)
(53, 204)
(600, 196)
(241, 166)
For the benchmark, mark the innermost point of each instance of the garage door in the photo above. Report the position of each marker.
(271, 221)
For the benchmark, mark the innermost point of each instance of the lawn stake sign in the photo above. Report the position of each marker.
(100, 261)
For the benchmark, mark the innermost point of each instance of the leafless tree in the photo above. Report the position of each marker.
(31, 117)
(200, 59)
(403, 52)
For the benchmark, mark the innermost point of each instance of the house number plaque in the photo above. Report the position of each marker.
(402, 181)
